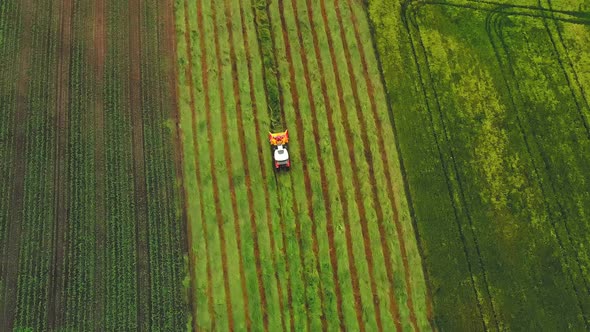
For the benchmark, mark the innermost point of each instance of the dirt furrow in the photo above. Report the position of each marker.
(230, 176)
(389, 183)
(9, 273)
(140, 187)
(99, 44)
(262, 159)
(189, 75)
(243, 152)
(57, 278)
(219, 216)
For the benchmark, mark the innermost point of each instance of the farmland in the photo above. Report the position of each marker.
(439, 181)
(91, 224)
(329, 245)
(491, 110)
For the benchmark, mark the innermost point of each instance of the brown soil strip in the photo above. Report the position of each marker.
(55, 308)
(189, 74)
(355, 178)
(141, 223)
(242, 131)
(230, 176)
(166, 15)
(219, 216)
(10, 261)
(262, 159)
(389, 186)
(99, 43)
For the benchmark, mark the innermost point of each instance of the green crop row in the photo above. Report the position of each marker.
(37, 216)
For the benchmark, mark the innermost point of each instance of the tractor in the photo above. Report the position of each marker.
(279, 148)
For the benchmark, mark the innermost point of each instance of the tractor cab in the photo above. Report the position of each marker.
(280, 153)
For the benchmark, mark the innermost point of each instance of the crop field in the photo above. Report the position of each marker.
(329, 245)
(440, 175)
(490, 104)
(91, 227)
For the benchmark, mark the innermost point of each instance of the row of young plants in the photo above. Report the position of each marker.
(166, 265)
(36, 236)
(120, 271)
(78, 274)
(11, 25)
(468, 102)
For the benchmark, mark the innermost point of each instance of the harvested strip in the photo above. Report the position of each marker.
(189, 74)
(204, 73)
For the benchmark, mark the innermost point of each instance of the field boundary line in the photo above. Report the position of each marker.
(403, 171)
(10, 266)
(405, 18)
(390, 193)
(189, 73)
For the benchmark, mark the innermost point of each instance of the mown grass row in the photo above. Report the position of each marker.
(477, 152)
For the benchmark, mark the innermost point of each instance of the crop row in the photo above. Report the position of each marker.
(37, 202)
(300, 280)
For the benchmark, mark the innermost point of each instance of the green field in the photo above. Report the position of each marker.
(440, 173)
(491, 109)
(329, 245)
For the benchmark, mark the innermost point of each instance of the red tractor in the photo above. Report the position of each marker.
(280, 154)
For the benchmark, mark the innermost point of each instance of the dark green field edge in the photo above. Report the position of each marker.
(481, 244)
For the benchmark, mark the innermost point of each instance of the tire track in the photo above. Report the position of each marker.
(455, 170)
(406, 24)
(392, 199)
(189, 74)
(265, 176)
(243, 152)
(219, 217)
(57, 279)
(565, 73)
(138, 148)
(492, 26)
(230, 176)
(99, 44)
(9, 271)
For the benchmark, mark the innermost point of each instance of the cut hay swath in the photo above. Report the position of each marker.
(328, 245)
